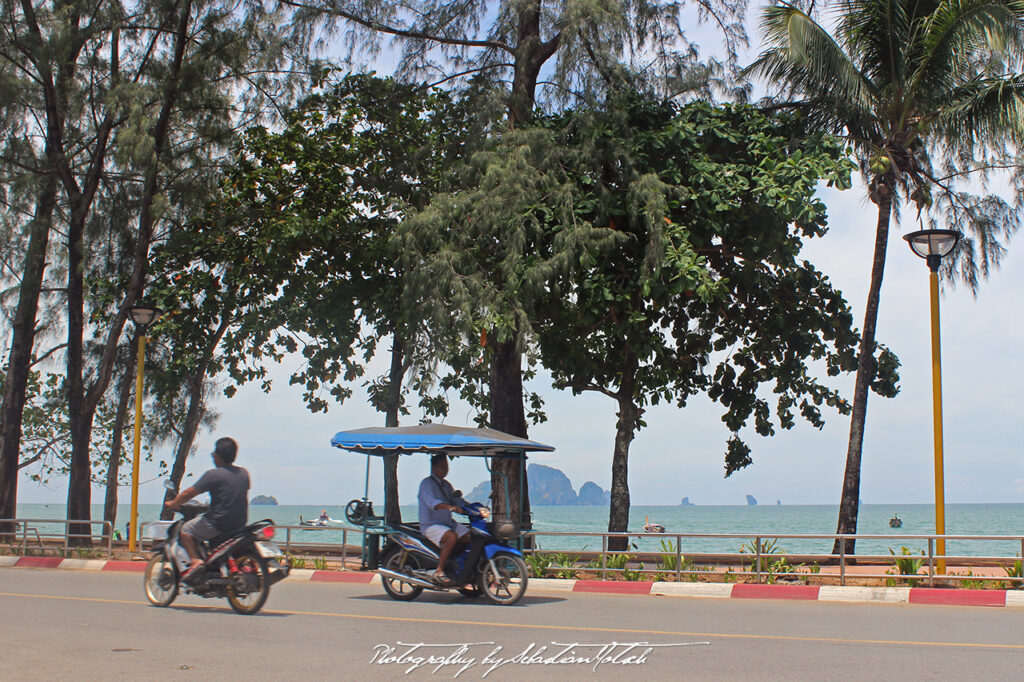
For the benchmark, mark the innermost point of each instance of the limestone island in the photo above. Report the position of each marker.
(263, 499)
(751, 500)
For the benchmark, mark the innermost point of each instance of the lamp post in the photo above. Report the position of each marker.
(933, 246)
(143, 316)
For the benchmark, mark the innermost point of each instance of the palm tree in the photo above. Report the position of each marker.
(927, 95)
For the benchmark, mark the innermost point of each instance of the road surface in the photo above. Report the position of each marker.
(82, 626)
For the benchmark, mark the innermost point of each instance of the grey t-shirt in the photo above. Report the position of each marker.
(229, 500)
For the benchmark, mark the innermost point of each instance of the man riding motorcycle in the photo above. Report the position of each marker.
(228, 486)
(438, 499)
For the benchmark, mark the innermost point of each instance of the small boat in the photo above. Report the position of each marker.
(652, 527)
(895, 521)
(320, 522)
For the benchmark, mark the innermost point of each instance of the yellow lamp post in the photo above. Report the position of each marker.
(933, 246)
(142, 316)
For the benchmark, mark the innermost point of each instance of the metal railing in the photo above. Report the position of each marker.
(765, 562)
(42, 536)
(287, 544)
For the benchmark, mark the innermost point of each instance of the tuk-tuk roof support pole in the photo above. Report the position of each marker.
(366, 498)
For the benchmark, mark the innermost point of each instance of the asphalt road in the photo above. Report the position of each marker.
(85, 626)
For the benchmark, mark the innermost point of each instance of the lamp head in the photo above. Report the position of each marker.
(144, 315)
(933, 245)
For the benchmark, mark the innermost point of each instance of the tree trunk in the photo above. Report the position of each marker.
(850, 502)
(392, 511)
(508, 415)
(193, 418)
(79, 484)
(124, 394)
(19, 361)
(82, 403)
(194, 415)
(625, 428)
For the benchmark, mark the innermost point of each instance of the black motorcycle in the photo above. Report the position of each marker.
(241, 565)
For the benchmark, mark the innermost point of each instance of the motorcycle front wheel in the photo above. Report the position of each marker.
(160, 581)
(250, 586)
(503, 579)
(400, 561)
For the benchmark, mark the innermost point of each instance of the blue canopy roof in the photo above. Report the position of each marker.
(457, 440)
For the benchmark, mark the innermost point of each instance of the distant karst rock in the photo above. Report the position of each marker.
(778, 502)
(751, 500)
(481, 493)
(549, 486)
(592, 494)
(263, 499)
(686, 502)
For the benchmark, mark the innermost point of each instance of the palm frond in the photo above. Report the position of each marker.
(802, 54)
(951, 35)
(877, 33)
(983, 112)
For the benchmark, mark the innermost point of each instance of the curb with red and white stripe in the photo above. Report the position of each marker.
(823, 593)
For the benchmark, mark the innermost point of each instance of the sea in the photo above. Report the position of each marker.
(748, 520)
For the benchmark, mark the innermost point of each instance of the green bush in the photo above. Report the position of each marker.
(906, 563)
(538, 563)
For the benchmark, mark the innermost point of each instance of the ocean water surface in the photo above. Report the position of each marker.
(764, 520)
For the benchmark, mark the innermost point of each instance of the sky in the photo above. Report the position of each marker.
(681, 452)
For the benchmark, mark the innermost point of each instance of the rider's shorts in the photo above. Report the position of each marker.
(435, 532)
(200, 528)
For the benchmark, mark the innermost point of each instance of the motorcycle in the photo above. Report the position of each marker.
(487, 566)
(241, 565)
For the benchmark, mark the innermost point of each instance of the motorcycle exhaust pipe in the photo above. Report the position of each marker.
(394, 575)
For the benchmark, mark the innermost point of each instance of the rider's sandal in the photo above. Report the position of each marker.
(441, 578)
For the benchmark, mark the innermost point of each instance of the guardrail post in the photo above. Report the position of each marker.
(604, 554)
(344, 549)
(108, 529)
(931, 563)
(679, 558)
(842, 562)
(757, 563)
(24, 537)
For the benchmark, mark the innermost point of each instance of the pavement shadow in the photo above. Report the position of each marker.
(200, 608)
(457, 600)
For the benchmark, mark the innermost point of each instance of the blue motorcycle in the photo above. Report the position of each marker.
(487, 566)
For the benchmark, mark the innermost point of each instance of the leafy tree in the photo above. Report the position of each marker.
(704, 293)
(504, 48)
(317, 201)
(929, 95)
(124, 107)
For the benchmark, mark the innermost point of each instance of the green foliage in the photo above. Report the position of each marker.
(698, 287)
(538, 563)
(773, 559)
(568, 561)
(295, 561)
(906, 565)
(46, 431)
(617, 561)
(320, 563)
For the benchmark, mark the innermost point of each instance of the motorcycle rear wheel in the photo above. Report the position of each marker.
(250, 587)
(509, 583)
(160, 581)
(396, 589)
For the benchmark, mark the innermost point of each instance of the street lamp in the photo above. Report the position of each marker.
(933, 246)
(143, 316)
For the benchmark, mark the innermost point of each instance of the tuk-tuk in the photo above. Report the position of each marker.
(491, 564)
